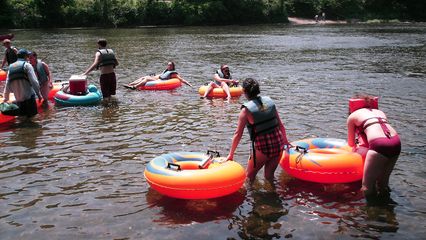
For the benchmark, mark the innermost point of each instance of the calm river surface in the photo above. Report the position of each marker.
(77, 173)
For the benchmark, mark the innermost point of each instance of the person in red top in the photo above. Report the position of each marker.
(266, 130)
(381, 146)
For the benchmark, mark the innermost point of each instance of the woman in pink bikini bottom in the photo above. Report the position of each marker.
(381, 148)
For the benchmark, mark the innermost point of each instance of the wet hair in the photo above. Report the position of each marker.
(102, 42)
(251, 88)
(34, 54)
(223, 66)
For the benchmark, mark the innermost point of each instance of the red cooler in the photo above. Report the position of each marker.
(78, 84)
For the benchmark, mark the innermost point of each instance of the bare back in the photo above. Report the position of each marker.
(370, 117)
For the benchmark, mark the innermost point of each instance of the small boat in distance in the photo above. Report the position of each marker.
(6, 36)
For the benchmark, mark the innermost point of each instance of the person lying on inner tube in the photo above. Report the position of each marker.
(168, 73)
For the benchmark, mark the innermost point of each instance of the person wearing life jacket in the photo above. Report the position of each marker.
(266, 130)
(10, 54)
(223, 79)
(379, 143)
(43, 74)
(168, 73)
(106, 62)
(22, 82)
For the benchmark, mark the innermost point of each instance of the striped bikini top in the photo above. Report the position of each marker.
(381, 121)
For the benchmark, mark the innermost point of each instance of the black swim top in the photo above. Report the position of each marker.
(381, 121)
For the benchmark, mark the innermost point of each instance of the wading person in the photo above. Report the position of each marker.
(381, 146)
(106, 62)
(22, 82)
(266, 131)
(43, 74)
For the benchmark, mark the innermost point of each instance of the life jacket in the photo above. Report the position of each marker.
(166, 74)
(41, 72)
(264, 115)
(107, 57)
(222, 75)
(358, 103)
(17, 71)
(11, 56)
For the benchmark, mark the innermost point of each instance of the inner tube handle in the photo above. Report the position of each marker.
(301, 149)
(170, 165)
(211, 152)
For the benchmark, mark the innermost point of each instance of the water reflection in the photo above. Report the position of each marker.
(263, 220)
(180, 211)
(340, 204)
(29, 128)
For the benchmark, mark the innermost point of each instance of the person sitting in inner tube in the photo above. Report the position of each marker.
(168, 73)
(382, 146)
(266, 130)
(223, 79)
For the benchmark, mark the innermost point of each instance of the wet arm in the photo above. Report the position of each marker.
(242, 121)
(3, 62)
(6, 91)
(351, 131)
(94, 64)
(183, 80)
(219, 79)
(49, 74)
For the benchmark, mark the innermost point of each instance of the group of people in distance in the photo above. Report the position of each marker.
(381, 147)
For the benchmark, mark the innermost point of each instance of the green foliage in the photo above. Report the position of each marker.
(5, 13)
(115, 13)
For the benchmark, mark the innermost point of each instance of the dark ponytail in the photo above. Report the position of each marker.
(251, 88)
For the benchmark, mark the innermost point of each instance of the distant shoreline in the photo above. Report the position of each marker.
(306, 21)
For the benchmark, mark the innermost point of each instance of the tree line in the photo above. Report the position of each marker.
(126, 13)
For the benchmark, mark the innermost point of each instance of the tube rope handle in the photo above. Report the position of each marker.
(170, 165)
(302, 152)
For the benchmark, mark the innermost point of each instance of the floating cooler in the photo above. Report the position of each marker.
(78, 85)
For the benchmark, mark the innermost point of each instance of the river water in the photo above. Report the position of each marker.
(77, 172)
